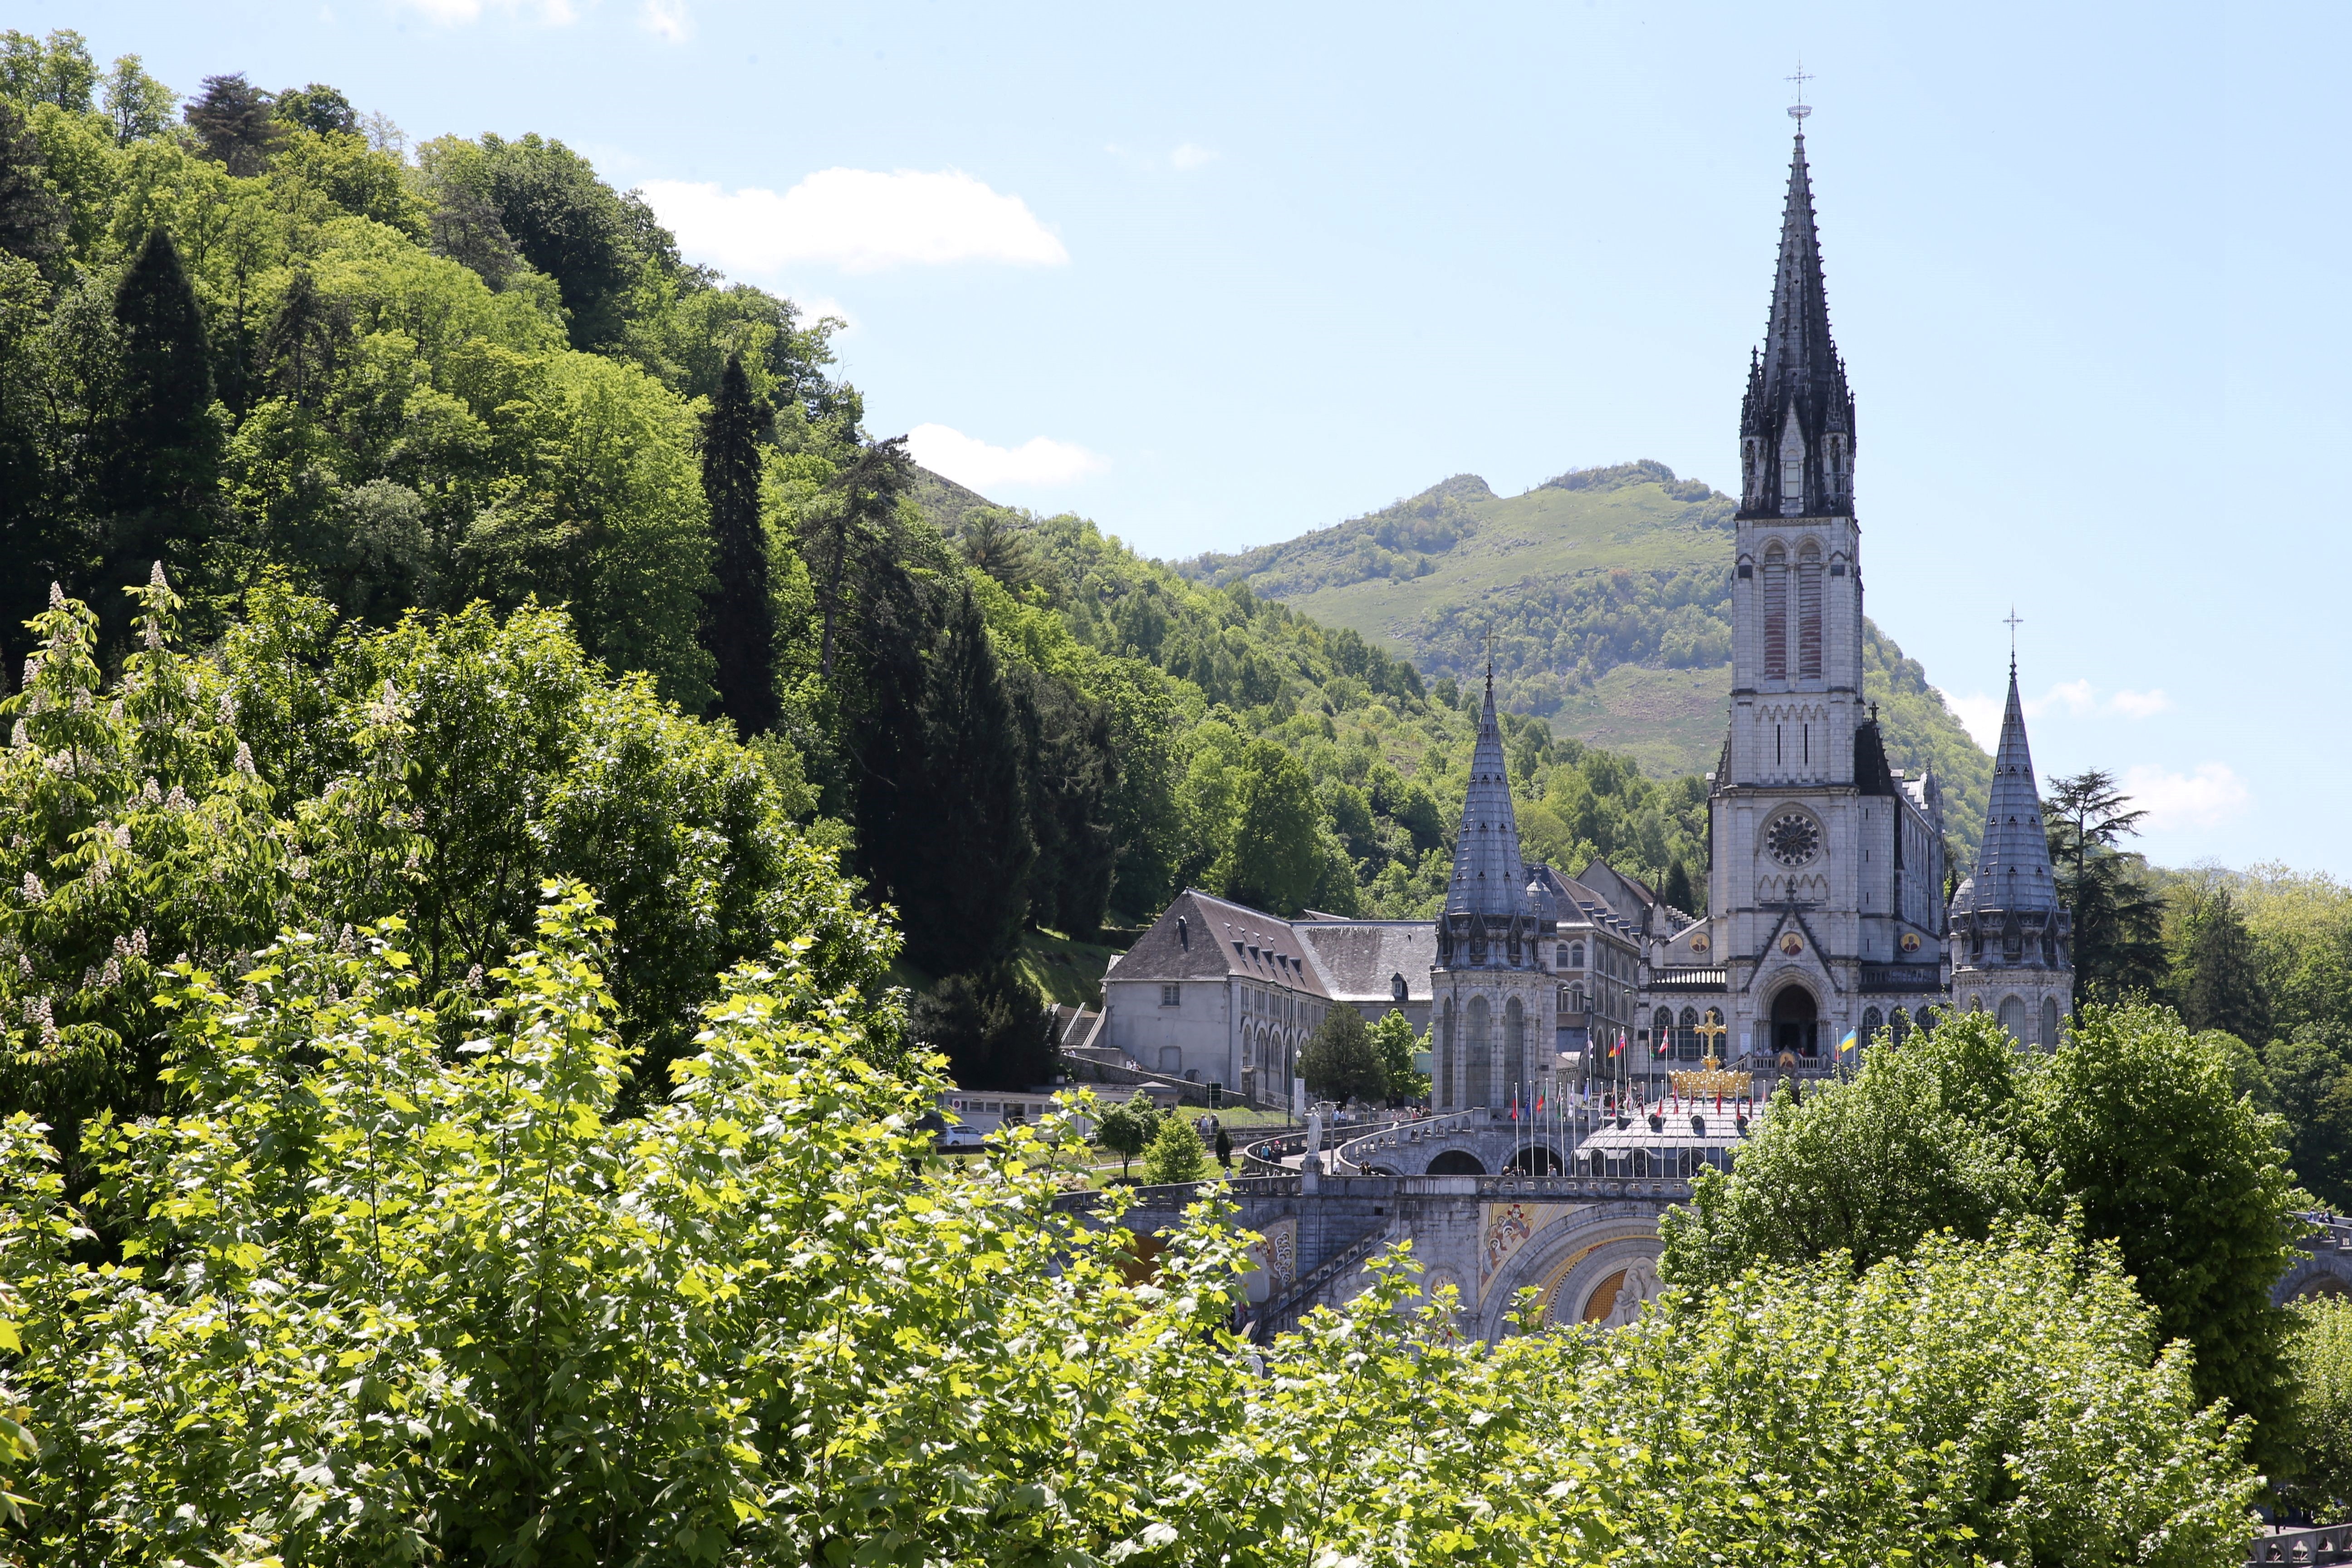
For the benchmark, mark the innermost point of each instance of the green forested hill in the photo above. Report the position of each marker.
(1608, 591)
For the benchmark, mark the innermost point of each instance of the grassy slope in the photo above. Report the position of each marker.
(1636, 520)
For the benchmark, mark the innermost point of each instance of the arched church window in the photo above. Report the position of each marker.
(1926, 1018)
(1898, 1024)
(1576, 956)
(1686, 1035)
(2012, 1018)
(1514, 1053)
(1775, 611)
(2049, 1024)
(1479, 1087)
(1662, 1028)
(1871, 1024)
(1809, 611)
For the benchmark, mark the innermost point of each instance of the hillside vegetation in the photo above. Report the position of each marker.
(1608, 595)
(319, 387)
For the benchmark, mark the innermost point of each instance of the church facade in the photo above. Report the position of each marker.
(1827, 924)
(1825, 887)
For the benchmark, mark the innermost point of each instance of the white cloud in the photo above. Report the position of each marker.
(1188, 156)
(1979, 715)
(969, 461)
(860, 220)
(813, 308)
(2204, 797)
(667, 19)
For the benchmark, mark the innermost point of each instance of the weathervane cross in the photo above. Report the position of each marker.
(2012, 622)
(1799, 109)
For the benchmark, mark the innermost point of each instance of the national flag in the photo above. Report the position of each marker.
(1665, 1041)
(1540, 1104)
(1847, 1043)
(1619, 1048)
(1515, 1105)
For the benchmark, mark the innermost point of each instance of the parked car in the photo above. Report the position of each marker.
(956, 1138)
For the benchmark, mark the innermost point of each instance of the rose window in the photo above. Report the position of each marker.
(1794, 838)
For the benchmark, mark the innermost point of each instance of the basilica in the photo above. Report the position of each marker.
(1827, 923)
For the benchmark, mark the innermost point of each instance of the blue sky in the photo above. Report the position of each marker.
(1215, 275)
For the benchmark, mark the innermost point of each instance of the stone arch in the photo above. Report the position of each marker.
(2013, 1017)
(1872, 1021)
(2049, 1041)
(1774, 586)
(1455, 1162)
(1898, 1024)
(1534, 1160)
(1480, 1088)
(1795, 1013)
(1567, 1260)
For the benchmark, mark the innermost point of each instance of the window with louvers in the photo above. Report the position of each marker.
(1809, 613)
(1776, 615)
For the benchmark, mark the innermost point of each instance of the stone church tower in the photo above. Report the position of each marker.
(2012, 941)
(1826, 867)
(1491, 990)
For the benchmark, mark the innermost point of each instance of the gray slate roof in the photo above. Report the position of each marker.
(1489, 879)
(2013, 862)
(1358, 959)
(1217, 940)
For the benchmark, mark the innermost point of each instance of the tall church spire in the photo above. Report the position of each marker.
(2013, 862)
(1796, 423)
(1488, 877)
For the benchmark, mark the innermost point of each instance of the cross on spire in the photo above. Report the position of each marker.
(1799, 109)
(2012, 622)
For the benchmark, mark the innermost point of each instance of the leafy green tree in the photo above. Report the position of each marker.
(2143, 1126)
(1127, 1127)
(2216, 977)
(2309, 1080)
(136, 103)
(2118, 919)
(2133, 1129)
(1275, 851)
(739, 615)
(32, 222)
(234, 120)
(134, 828)
(57, 70)
(1394, 1043)
(1176, 1153)
(317, 108)
(1921, 1139)
(1339, 1060)
(2319, 1373)
(566, 222)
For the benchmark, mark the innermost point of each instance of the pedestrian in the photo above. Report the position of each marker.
(1225, 1149)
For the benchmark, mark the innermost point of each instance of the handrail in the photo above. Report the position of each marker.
(1271, 1322)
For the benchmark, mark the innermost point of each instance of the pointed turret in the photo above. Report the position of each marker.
(2013, 872)
(1489, 879)
(1797, 419)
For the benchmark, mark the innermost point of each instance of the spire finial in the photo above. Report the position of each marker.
(1799, 109)
(2012, 622)
(1490, 659)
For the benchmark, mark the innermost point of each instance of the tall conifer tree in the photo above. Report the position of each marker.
(963, 876)
(161, 451)
(739, 618)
